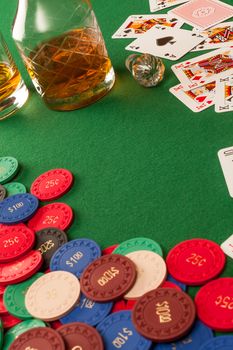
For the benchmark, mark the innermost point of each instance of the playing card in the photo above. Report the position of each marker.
(204, 69)
(196, 99)
(221, 35)
(224, 93)
(166, 42)
(227, 246)
(203, 14)
(136, 25)
(156, 5)
(225, 156)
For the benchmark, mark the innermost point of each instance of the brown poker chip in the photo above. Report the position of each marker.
(108, 278)
(164, 315)
(79, 335)
(40, 338)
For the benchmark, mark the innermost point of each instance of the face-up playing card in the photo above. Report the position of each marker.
(166, 42)
(136, 25)
(221, 35)
(204, 69)
(196, 99)
(225, 156)
(227, 246)
(224, 94)
(203, 14)
(156, 5)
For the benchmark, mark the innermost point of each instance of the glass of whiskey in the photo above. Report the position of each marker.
(13, 91)
(64, 52)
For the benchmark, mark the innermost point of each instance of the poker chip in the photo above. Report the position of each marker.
(3, 309)
(179, 284)
(88, 311)
(214, 303)
(22, 269)
(8, 168)
(193, 341)
(75, 256)
(55, 324)
(39, 338)
(173, 316)
(121, 305)
(138, 243)
(52, 184)
(13, 188)
(151, 272)
(195, 261)
(2, 290)
(1, 334)
(59, 215)
(20, 328)
(224, 342)
(48, 241)
(14, 298)
(109, 250)
(18, 208)
(15, 242)
(2, 193)
(9, 321)
(108, 278)
(53, 295)
(81, 336)
(117, 330)
(168, 284)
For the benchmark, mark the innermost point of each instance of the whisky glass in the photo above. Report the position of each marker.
(64, 52)
(13, 91)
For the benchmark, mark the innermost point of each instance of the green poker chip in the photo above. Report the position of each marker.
(1, 333)
(14, 298)
(14, 188)
(138, 243)
(20, 328)
(8, 169)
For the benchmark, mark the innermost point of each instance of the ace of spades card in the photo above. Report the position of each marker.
(166, 42)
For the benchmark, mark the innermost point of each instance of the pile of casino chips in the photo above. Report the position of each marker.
(64, 295)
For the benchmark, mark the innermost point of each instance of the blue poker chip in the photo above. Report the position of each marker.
(118, 331)
(18, 208)
(88, 311)
(224, 342)
(199, 334)
(75, 256)
(180, 284)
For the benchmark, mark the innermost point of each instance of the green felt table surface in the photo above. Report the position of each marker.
(144, 164)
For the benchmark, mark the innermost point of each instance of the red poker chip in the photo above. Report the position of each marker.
(3, 310)
(2, 290)
(55, 324)
(122, 305)
(59, 215)
(195, 261)
(168, 284)
(20, 270)
(52, 184)
(3, 226)
(214, 303)
(9, 321)
(109, 250)
(15, 242)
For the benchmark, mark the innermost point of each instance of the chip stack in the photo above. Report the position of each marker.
(64, 294)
